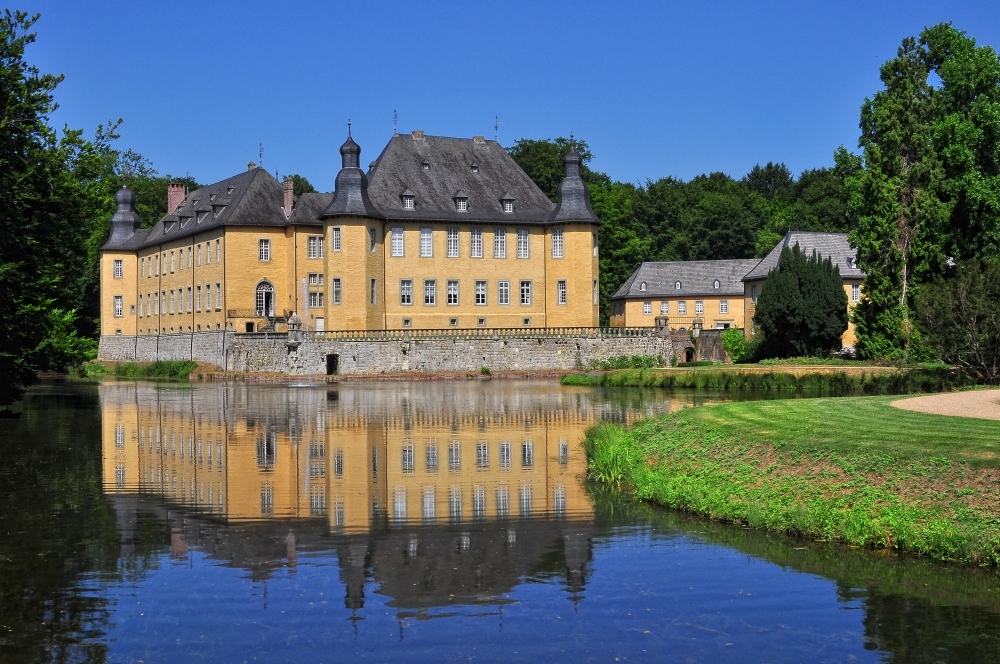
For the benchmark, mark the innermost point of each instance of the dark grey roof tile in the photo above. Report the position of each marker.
(695, 277)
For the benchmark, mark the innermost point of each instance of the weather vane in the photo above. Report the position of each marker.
(260, 153)
(395, 118)
(496, 128)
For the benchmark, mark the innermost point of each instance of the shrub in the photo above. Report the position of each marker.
(735, 344)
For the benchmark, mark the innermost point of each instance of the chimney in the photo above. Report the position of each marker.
(175, 196)
(251, 165)
(289, 188)
(418, 134)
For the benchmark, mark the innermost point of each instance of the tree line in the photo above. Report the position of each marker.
(921, 202)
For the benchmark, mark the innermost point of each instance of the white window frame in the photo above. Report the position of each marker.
(508, 206)
(218, 250)
(409, 202)
(315, 246)
(664, 307)
(500, 243)
(396, 245)
(406, 292)
(481, 293)
(173, 261)
(315, 278)
(119, 269)
(190, 300)
(316, 300)
(647, 308)
(462, 204)
(723, 306)
(372, 240)
(699, 307)
(855, 293)
(525, 292)
(336, 241)
(753, 293)
(452, 242)
(263, 250)
(427, 243)
(218, 295)
(208, 297)
(373, 291)
(682, 307)
(119, 306)
(198, 260)
(430, 292)
(453, 293)
(336, 291)
(561, 296)
(197, 297)
(558, 244)
(503, 292)
(476, 243)
(523, 243)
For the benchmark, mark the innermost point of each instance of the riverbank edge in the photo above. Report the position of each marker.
(765, 487)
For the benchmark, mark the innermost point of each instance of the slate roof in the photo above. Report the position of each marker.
(696, 277)
(828, 245)
(450, 163)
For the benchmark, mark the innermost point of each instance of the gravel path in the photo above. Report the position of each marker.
(983, 404)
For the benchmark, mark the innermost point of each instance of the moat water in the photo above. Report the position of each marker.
(166, 522)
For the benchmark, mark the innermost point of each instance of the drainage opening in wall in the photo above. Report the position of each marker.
(332, 364)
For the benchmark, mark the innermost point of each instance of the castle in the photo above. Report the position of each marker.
(439, 233)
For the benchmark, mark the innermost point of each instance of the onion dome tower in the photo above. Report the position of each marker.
(125, 221)
(573, 201)
(350, 196)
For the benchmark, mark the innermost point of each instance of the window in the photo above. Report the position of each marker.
(594, 242)
(430, 292)
(197, 298)
(557, 243)
(481, 322)
(173, 261)
(218, 252)
(406, 291)
(647, 308)
(407, 322)
(372, 240)
(142, 267)
(526, 322)
(119, 307)
(482, 455)
(505, 455)
(503, 292)
(753, 294)
(525, 292)
(315, 279)
(156, 304)
(855, 293)
(190, 256)
(508, 205)
(315, 299)
(263, 250)
(335, 242)
(500, 243)
(335, 293)
(699, 307)
(264, 299)
(118, 268)
(407, 460)
(462, 204)
(527, 454)
(426, 243)
(522, 243)
(597, 294)
(723, 306)
(716, 284)
(642, 286)
(480, 292)
(452, 234)
(372, 292)
(452, 291)
(198, 261)
(476, 243)
(315, 246)
(561, 291)
(453, 322)
(454, 455)
(218, 295)
(208, 296)
(408, 202)
(396, 241)
(431, 456)
(682, 307)
(677, 285)
(190, 300)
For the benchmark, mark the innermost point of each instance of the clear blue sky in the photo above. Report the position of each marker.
(655, 88)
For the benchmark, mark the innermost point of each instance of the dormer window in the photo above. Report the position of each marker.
(229, 190)
(426, 166)
(408, 202)
(852, 263)
(195, 202)
(217, 210)
(211, 197)
(642, 286)
(201, 216)
(508, 205)
(716, 284)
(677, 285)
(462, 204)
(475, 168)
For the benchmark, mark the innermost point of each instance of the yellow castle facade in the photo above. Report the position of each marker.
(438, 233)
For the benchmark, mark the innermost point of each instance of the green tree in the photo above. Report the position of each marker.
(960, 318)
(300, 185)
(929, 187)
(542, 161)
(770, 181)
(802, 307)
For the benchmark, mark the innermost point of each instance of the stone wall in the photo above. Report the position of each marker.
(257, 353)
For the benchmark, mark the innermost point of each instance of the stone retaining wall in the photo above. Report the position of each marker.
(271, 354)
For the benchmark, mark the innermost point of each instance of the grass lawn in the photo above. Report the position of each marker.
(852, 469)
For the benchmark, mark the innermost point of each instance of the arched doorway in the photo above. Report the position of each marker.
(264, 301)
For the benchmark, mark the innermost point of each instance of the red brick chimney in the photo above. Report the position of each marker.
(289, 190)
(175, 195)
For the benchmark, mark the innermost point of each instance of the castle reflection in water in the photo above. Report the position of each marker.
(439, 492)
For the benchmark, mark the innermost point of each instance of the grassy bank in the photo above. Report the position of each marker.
(161, 369)
(831, 381)
(854, 470)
